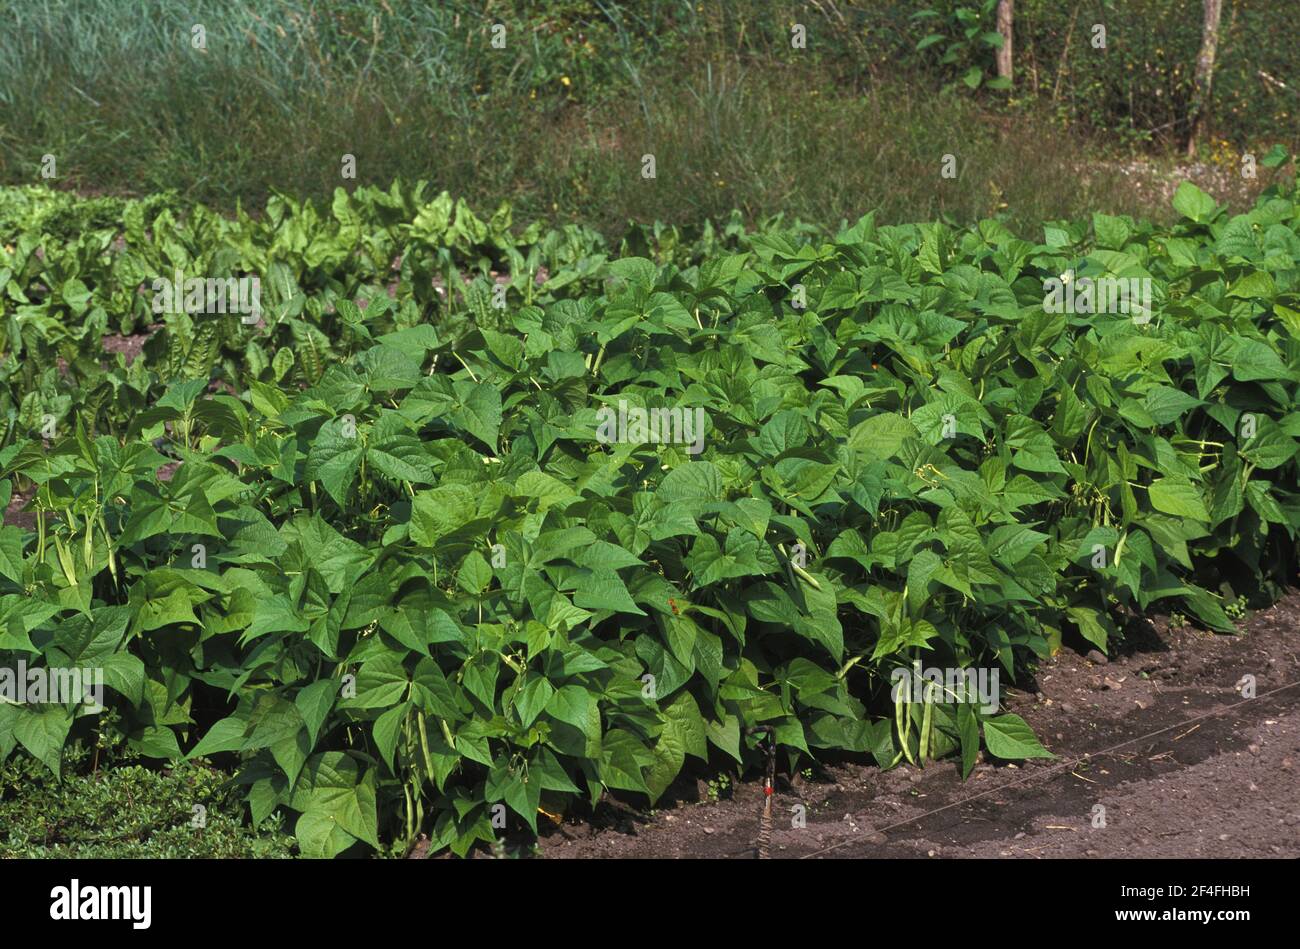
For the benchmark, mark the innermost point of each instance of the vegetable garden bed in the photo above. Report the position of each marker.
(408, 576)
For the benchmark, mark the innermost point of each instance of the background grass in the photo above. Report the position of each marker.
(558, 121)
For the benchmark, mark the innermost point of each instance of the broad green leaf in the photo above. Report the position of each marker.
(1179, 497)
(1007, 736)
(1190, 201)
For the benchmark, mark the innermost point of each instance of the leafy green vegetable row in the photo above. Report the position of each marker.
(399, 572)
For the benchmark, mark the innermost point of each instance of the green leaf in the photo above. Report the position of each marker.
(604, 590)
(1190, 201)
(1254, 360)
(314, 702)
(381, 682)
(725, 734)
(636, 272)
(1179, 497)
(433, 692)
(474, 575)
(1093, 626)
(387, 729)
(571, 704)
(225, 735)
(881, 436)
(334, 460)
(154, 741)
(11, 553)
(1007, 736)
(440, 511)
(42, 730)
(478, 411)
(1276, 157)
(337, 804)
(691, 484)
(622, 759)
(669, 756)
(533, 699)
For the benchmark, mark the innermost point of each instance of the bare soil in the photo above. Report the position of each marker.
(15, 515)
(1160, 736)
(129, 346)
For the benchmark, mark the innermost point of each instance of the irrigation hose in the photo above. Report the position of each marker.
(769, 781)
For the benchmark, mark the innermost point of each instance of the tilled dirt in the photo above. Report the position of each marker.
(129, 346)
(1159, 754)
(15, 515)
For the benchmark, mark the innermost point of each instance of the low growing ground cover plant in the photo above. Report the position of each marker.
(128, 812)
(420, 555)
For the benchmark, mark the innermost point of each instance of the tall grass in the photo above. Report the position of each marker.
(557, 123)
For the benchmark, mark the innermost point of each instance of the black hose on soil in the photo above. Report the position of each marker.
(769, 782)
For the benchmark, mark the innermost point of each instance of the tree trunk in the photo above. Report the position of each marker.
(1006, 11)
(1204, 71)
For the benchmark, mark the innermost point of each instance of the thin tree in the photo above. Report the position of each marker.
(1006, 12)
(1204, 78)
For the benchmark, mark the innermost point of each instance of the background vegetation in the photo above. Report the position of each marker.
(557, 122)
